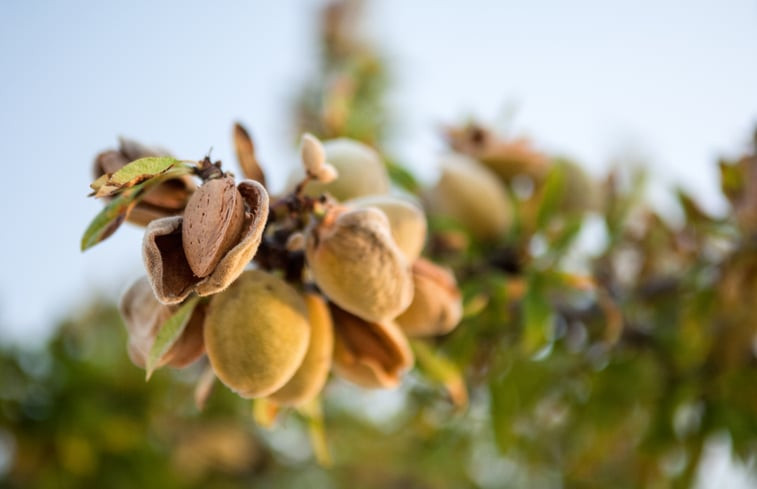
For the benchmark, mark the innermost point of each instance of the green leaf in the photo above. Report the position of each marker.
(399, 175)
(537, 316)
(551, 196)
(142, 169)
(313, 414)
(441, 370)
(170, 331)
(110, 218)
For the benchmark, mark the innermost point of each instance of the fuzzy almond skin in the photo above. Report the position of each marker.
(437, 305)
(371, 355)
(406, 220)
(472, 195)
(356, 263)
(358, 166)
(256, 334)
(312, 374)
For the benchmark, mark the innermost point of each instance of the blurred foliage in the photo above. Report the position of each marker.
(604, 368)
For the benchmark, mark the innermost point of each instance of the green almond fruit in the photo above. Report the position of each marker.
(356, 263)
(312, 374)
(471, 194)
(359, 168)
(406, 220)
(256, 334)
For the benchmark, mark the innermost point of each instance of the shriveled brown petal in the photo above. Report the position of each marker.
(166, 264)
(143, 316)
(166, 199)
(371, 355)
(437, 304)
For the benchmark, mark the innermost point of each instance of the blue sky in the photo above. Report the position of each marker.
(674, 83)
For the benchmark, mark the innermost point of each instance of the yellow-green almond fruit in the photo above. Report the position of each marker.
(472, 195)
(256, 334)
(437, 304)
(355, 262)
(406, 220)
(310, 377)
(359, 169)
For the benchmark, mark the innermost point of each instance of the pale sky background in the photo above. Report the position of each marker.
(675, 81)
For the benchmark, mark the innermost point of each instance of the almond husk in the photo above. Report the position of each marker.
(166, 263)
(373, 355)
(311, 376)
(256, 334)
(437, 303)
(406, 221)
(355, 262)
(143, 315)
(212, 223)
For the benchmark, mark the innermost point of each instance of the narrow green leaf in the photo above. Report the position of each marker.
(170, 331)
(551, 196)
(265, 412)
(537, 316)
(443, 371)
(140, 170)
(313, 414)
(399, 175)
(110, 218)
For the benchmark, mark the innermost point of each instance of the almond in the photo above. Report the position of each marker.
(212, 224)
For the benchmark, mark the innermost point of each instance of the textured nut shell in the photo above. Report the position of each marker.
(356, 263)
(312, 374)
(143, 316)
(167, 268)
(212, 222)
(371, 355)
(256, 334)
(359, 168)
(437, 304)
(471, 194)
(406, 220)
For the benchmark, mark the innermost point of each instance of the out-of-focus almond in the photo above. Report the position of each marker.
(406, 220)
(356, 263)
(437, 304)
(370, 354)
(213, 220)
(359, 171)
(472, 195)
(256, 334)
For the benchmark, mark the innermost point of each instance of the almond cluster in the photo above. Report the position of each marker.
(326, 278)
